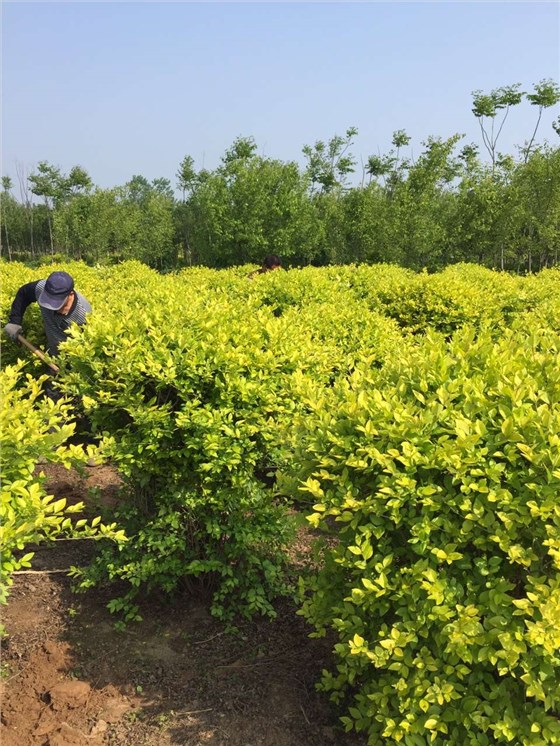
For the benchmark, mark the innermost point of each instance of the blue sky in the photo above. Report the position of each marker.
(131, 88)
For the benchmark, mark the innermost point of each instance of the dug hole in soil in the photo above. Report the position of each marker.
(176, 678)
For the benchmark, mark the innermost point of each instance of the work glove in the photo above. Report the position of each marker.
(12, 330)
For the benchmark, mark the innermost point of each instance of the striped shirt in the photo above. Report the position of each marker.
(56, 325)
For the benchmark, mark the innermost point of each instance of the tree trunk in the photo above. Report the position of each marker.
(8, 243)
(30, 207)
(50, 229)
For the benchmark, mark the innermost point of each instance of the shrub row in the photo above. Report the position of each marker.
(439, 476)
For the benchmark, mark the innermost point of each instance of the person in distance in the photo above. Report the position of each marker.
(61, 305)
(270, 263)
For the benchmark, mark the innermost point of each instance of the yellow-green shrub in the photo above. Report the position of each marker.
(189, 392)
(33, 427)
(439, 475)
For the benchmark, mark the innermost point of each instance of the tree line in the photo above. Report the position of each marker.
(453, 202)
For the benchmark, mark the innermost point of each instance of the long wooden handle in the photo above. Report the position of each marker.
(21, 339)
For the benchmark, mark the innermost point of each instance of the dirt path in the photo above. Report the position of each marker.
(70, 679)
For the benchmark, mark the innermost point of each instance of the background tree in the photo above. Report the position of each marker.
(378, 167)
(251, 206)
(91, 224)
(390, 167)
(137, 189)
(536, 187)
(487, 106)
(184, 215)
(329, 164)
(47, 182)
(55, 188)
(78, 181)
(163, 186)
(27, 202)
(154, 231)
(6, 206)
(545, 95)
(186, 176)
(417, 203)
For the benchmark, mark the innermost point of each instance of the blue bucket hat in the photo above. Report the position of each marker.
(57, 288)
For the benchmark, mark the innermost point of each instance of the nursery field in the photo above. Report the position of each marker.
(325, 510)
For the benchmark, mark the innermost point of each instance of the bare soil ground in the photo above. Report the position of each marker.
(70, 679)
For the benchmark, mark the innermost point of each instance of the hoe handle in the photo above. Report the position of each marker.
(37, 352)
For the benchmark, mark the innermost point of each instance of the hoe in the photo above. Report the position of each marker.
(37, 353)
(55, 369)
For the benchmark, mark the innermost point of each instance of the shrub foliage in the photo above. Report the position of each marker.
(440, 477)
(415, 418)
(33, 427)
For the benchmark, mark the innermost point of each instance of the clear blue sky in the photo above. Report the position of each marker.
(131, 88)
